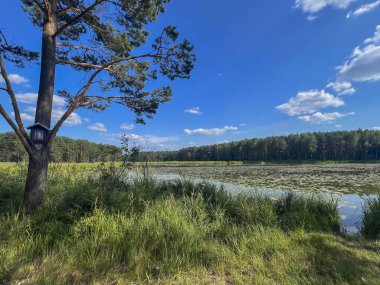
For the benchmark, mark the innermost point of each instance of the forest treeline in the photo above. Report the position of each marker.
(63, 150)
(340, 145)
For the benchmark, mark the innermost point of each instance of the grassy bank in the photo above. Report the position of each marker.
(95, 229)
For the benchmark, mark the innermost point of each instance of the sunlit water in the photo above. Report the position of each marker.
(350, 205)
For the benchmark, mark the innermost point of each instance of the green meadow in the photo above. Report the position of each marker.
(96, 227)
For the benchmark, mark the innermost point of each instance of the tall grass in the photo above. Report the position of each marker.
(371, 218)
(176, 232)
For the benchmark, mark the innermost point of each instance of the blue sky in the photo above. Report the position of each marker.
(263, 68)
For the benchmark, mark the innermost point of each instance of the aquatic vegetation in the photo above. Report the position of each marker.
(314, 178)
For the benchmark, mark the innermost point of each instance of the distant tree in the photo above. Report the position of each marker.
(346, 145)
(95, 37)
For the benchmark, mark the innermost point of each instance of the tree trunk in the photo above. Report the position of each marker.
(36, 180)
(38, 161)
(47, 75)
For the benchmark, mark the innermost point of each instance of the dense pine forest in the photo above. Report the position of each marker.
(64, 150)
(360, 145)
(343, 145)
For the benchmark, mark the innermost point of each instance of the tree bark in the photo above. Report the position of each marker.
(48, 62)
(36, 180)
(38, 160)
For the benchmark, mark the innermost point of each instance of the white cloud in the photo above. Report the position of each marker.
(311, 18)
(31, 98)
(16, 79)
(127, 126)
(74, 120)
(319, 118)
(314, 6)
(194, 111)
(58, 110)
(25, 116)
(308, 102)
(210, 132)
(376, 37)
(376, 128)
(98, 127)
(342, 87)
(363, 9)
(145, 141)
(338, 126)
(364, 63)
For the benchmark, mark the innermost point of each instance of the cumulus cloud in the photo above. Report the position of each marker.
(16, 79)
(58, 103)
(376, 128)
(73, 120)
(308, 102)
(311, 18)
(194, 111)
(210, 132)
(375, 38)
(314, 6)
(98, 127)
(319, 118)
(31, 98)
(342, 87)
(146, 142)
(363, 9)
(364, 63)
(127, 126)
(25, 116)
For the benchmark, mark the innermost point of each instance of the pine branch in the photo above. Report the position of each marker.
(78, 17)
(81, 64)
(19, 134)
(39, 5)
(12, 95)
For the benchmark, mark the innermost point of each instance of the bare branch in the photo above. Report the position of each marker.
(73, 105)
(83, 91)
(4, 38)
(19, 134)
(68, 9)
(72, 46)
(13, 100)
(78, 17)
(81, 64)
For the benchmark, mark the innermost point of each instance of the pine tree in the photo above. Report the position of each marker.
(95, 37)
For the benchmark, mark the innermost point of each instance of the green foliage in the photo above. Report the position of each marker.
(15, 53)
(109, 36)
(371, 218)
(360, 145)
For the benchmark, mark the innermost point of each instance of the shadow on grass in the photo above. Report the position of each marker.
(342, 261)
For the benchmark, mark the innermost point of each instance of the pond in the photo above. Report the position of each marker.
(349, 184)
